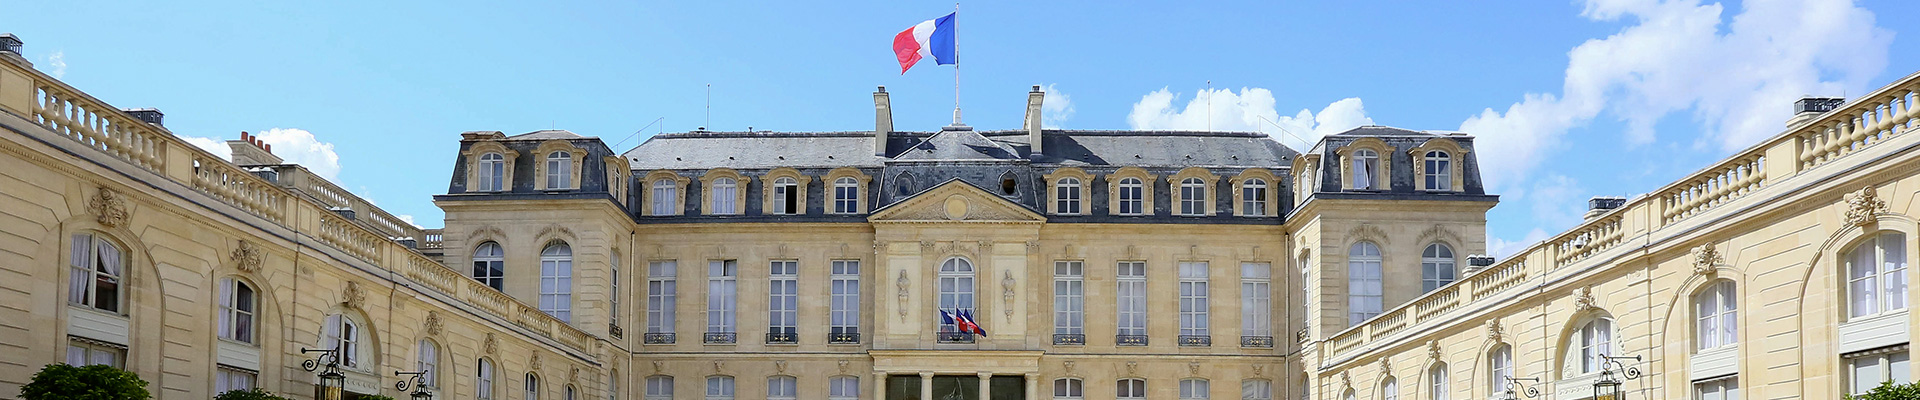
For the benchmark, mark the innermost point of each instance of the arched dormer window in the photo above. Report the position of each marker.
(1436, 267)
(556, 281)
(559, 170)
(493, 172)
(786, 196)
(1365, 294)
(1716, 313)
(666, 194)
(903, 185)
(1009, 184)
(1193, 197)
(1132, 196)
(490, 265)
(1066, 196)
(1437, 165)
(1364, 163)
(1253, 197)
(846, 195)
(1438, 170)
(723, 200)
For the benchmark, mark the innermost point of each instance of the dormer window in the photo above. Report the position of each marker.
(492, 170)
(1131, 192)
(1364, 162)
(846, 196)
(1193, 197)
(722, 200)
(1253, 197)
(786, 196)
(665, 194)
(559, 170)
(1439, 170)
(1067, 196)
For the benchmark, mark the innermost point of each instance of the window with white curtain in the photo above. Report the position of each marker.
(1499, 367)
(83, 352)
(786, 196)
(1132, 295)
(533, 387)
(956, 289)
(1437, 378)
(613, 288)
(1131, 196)
(493, 172)
(662, 293)
(556, 281)
(238, 305)
(1877, 276)
(490, 265)
(1131, 389)
(1868, 369)
(1256, 389)
(719, 388)
(1389, 390)
(1068, 389)
(783, 296)
(781, 387)
(846, 195)
(844, 312)
(659, 387)
(666, 193)
(1438, 170)
(426, 359)
(722, 200)
(559, 170)
(1436, 267)
(1069, 298)
(1727, 388)
(1193, 299)
(1194, 389)
(1365, 293)
(1364, 162)
(1596, 340)
(1193, 197)
(483, 380)
(1716, 312)
(1256, 299)
(1253, 197)
(843, 388)
(722, 283)
(343, 335)
(1066, 196)
(227, 379)
(94, 281)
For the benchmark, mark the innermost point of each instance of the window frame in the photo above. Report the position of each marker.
(426, 359)
(665, 194)
(846, 195)
(496, 266)
(1253, 197)
(659, 387)
(663, 292)
(1130, 388)
(559, 165)
(1132, 191)
(1193, 197)
(1439, 385)
(491, 174)
(783, 304)
(1069, 388)
(1069, 297)
(786, 197)
(1365, 163)
(1722, 388)
(239, 313)
(483, 379)
(956, 287)
(556, 281)
(1256, 299)
(92, 274)
(1437, 170)
(1370, 274)
(1256, 389)
(782, 387)
(1499, 367)
(1716, 316)
(723, 196)
(1195, 298)
(843, 387)
(1438, 267)
(1067, 196)
(723, 305)
(532, 386)
(1131, 294)
(843, 310)
(720, 387)
(1195, 389)
(1877, 277)
(1596, 338)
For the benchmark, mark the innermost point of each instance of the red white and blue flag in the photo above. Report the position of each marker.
(930, 38)
(967, 324)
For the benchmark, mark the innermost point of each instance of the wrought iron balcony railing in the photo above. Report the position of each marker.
(720, 338)
(843, 338)
(782, 338)
(1130, 340)
(1195, 340)
(1256, 341)
(956, 337)
(657, 338)
(1069, 339)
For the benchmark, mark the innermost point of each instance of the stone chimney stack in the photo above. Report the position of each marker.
(1807, 108)
(1478, 262)
(249, 151)
(882, 121)
(1601, 204)
(11, 49)
(147, 115)
(1035, 98)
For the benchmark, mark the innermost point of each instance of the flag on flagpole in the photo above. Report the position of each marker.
(930, 38)
(947, 318)
(968, 325)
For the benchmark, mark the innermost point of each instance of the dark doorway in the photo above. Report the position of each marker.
(956, 387)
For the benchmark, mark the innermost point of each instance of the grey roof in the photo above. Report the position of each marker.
(1156, 148)
(958, 145)
(749, 150)
(762, 150)
(546, 134)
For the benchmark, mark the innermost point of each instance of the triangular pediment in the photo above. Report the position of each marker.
(955, 201)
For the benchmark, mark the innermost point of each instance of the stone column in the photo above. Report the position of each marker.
(986, 385)
(926, 386)
(879, 385)
(1033, 386)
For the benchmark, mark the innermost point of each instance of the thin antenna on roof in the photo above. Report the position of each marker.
(709, 106)
(1209, 105)
(637, 133)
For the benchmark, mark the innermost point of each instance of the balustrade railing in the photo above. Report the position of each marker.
(1875, 117)
(1586, 240)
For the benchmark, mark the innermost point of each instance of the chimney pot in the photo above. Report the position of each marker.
(269, 148)
(1036, 88)
(883, 89)
(245, 137)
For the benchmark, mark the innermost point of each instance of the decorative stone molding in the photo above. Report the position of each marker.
(719, 367)
(1133, 252)
(659, 366)
(1862, 205)
(353, 296)
(491, 346)
(1440, 233)
(1006, 294)
(1193, 368)
(902, 283)
(1706, 259)
(533, 361)
(1259, 369)
(1493, 329)
(844, 366)
(108, 207)
(1386, 367)
(1068, 365)
(573, 374)
(486, 233)
(1370, 233)
(1133, 368)
(780, 366)
(1583, 299)
(1346, 379)
(246, 257)
(555, 231)
(434, 324)
(1433, 350)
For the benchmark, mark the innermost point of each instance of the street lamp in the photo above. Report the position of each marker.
(417, 380)
(1513, 383)
(1608, 387)
(331, 380)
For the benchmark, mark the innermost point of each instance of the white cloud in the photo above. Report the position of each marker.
(295, 146)
(1056, 109)
(1244, 111)
(211, 145)
(409, 220)
(57, 63)
(1502, 248)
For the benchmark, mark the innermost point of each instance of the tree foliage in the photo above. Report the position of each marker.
(1890, 391)
(92, 382)
(248, 394)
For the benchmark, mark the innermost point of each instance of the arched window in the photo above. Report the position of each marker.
(559, 170)
(483, 377)
(666, 193)
(659, 387)
(490, 265)
(1437, 378)
(1716, 309)
(956, 290)
(613, 385)
(343, 335)
(1253, 197)
(1436, 267)
(1389, 389)
(238, 306)
(786, 196)
(1066, 196)
(1596, 340)
(613, 288)
(723, 201)
(533, 387)
(1877, 276)
(781, 387)
(903, 185)
(427, 361)
(556, 281)
(1364, 162)
(1499, 367)
(1132, 194)
(1365, 294)
(1068, 389)
(1193, 196)
(1194, 389)
(1131, 388)
(1009, 185)
(846, 195)
(95, 279)
(720, 387)
(1256, 389)
(843, 388)
(492, 173)
(569, 392)
(1438, 170)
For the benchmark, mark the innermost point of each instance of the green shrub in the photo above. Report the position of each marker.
(249, 394)
(375, 397)
(1890, 391)
(93, 382)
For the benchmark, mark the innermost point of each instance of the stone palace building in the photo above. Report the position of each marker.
(820, 265)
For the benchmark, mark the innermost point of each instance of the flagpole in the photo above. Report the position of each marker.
(956, 64)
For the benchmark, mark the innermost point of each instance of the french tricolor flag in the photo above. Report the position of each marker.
(932, 38)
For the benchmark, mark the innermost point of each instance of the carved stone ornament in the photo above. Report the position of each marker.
(1706, 259)
(533, 361)
(902, 283)
(108, 207)
(1583, 299)
(1493, 329)
(659, 366)
(1861, 206)
(1433, 350)
(1193, 368)
(1006, 294)
(1386, 367)
(353, 296)
(1346, 379)
(490, 346)
(719, 367)
(1259, 370)
(1068, 365)
(844, 366)
(1133, 368)
(780, 365)
(246, 256)
(434, 324)
(573, 374)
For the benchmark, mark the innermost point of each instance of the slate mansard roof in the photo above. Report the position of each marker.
(1146, 149)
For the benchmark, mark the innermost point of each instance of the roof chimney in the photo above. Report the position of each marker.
(147, 115)
(882, 121)
(1807, 108)
(250, 151)
(1035, 98)
(1478, 262)
(1601, 204)
(10, 49)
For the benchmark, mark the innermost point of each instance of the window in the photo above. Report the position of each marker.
(1364, 292)
(1193, 197)
(238, 305)
(1436, 267)
(1877, 276)
(1716, 310)
(1066, 196)
(559, 170)
(843, 388)
(722, 282)
(1256, 389)
(1256, 299)
(782, 297)
(1253, 197)
(490, 265)
(1008, 185)
(724, 190)
(343, 335)
(956, 288)
(662, 290)
(533, 387)
(1389, 390)
(1438, 379)
(1718, 389)
(665, 194)
(1131, 196)
(1068, 388)
(428, 361)
(556, 281)
(659, 387)
(903, 185)
(786, 196)
(1133, 298)
(1193, 389)
(1596, 340)
(1500, 365)
(846, 195)
(83, 352)
(844, 312)
(1363, 164)
(719, 388)
(95, 279)
(484, 380)
(1193, 299)
(613, 283)
(493, 172)
(1069, 298)
(569, 392)
(1131, 389)
(1439, 170)
(227, 379)
(1871, 368)
(780, 387)
(613, 385)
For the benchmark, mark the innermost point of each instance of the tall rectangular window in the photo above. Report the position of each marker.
(782, 300)
(613, 279)
(556, 281)
(1253, 197)
(95, 279)
(1069, 298)
(844, 311)
(1256, 299)
(1718, 389)
(237, 308)
(666, 193)
(492, 172)
(1193, 299)
(662, 291)
(722, 283)
(1132, 295)
(724, 190)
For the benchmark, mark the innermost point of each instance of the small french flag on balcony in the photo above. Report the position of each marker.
(968, 325)
(930, 38)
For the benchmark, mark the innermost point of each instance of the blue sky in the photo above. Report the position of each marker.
(1569, 99)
